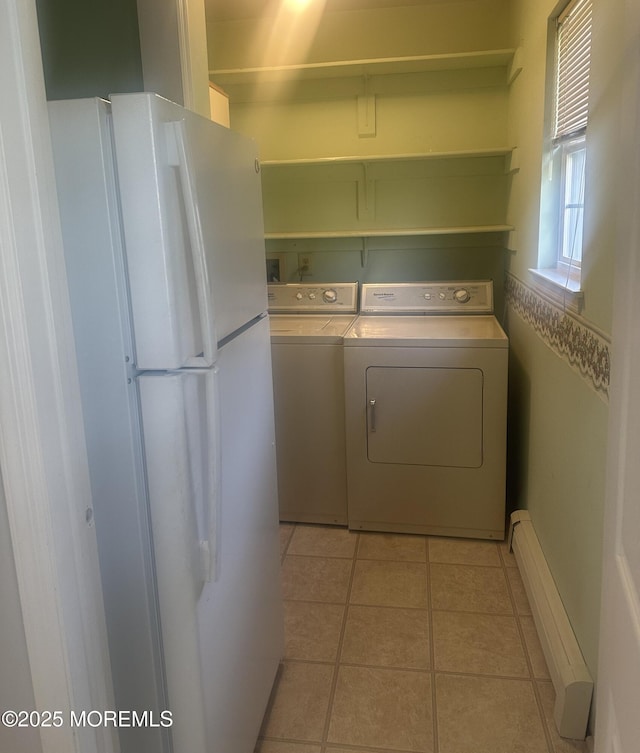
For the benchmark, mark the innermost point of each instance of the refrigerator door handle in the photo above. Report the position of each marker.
(180, 157)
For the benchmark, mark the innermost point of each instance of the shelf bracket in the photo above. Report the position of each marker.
(364, 252)
(513, 161)
(366, 112)
(366, 206)
(515, 68)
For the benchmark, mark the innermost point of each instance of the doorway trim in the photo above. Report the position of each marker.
(42, 450)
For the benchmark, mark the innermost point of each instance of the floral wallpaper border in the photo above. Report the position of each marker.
(585, 350)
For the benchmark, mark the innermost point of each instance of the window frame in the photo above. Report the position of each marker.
(558, 274)
(568, 148)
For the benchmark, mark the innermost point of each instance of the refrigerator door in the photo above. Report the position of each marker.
(242, 610)
(179, 424)
(222, 634)
(192, 216)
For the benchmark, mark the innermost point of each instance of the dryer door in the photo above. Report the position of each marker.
(424, 416)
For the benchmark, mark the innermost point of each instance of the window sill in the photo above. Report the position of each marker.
(562, 290)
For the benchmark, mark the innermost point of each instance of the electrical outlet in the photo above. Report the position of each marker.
(304, 264)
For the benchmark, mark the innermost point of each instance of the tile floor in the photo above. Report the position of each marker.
(406, 643)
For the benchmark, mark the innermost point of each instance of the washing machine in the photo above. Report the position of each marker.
(426, 404)
(308, 323)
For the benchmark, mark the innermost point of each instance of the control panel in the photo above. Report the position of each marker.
(465, 297)
(310, 297)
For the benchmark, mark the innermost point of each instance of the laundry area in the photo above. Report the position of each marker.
(403, 143)
(439, 435)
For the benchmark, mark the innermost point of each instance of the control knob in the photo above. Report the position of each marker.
(299, 296)
(461, 295)
(329, 296)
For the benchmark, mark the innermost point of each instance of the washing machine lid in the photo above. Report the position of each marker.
(314, 328)
(475, 331)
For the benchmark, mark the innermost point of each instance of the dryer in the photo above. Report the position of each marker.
(426, 403)
(308, 322)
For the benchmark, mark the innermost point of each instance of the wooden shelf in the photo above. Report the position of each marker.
(363, 200)
(389, 233)
(366, 159)
(368, 67)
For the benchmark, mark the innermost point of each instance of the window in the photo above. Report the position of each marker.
(573, 160)
(563, 190)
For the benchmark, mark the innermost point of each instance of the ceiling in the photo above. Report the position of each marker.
(219, 10)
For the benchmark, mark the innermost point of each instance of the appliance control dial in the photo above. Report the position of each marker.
(329, 296)
(427, 296)
(442, 296)
(299, 296)
(312, 296)
(461, 295)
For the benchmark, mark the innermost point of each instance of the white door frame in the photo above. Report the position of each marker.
(42, 449)
(618, 687)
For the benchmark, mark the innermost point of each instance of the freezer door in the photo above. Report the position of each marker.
(192, 217)
(179, 419)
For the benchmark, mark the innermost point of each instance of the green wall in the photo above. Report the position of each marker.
(89, 47)
(558, 420)
(557, 449)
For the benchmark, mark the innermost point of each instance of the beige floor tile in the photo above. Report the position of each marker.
(389, 584)
(560, 744)
(312, 630)
(386, 637)
(464, 552)
(301, 699)
(517, 589)
(392, 546)
(466, 588)
(487, 715)
(382, 708)
(534, 649)
(323, 541)
(485, 644)
(286, 530)
(315, 578)
(268, 746)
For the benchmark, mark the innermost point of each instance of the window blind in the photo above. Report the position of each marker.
(573, 62)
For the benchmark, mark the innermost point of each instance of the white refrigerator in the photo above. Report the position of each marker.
(162, 226)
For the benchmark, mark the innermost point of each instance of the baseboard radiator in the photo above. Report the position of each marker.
(571, 679)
